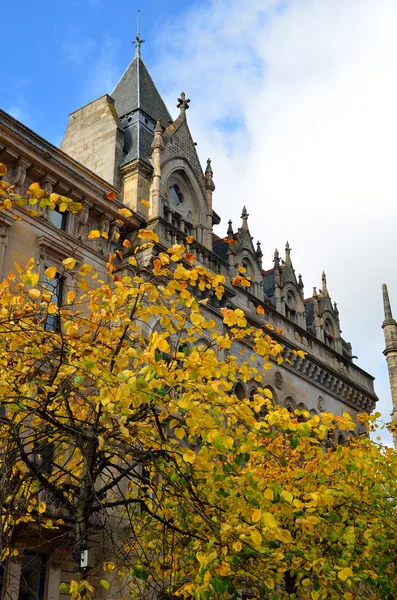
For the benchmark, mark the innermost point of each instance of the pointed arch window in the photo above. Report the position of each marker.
(290, 306)
(329, 334)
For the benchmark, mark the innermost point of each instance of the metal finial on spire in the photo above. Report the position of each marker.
(138, 42)
(183, 103)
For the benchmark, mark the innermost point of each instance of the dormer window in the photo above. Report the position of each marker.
(175, 194)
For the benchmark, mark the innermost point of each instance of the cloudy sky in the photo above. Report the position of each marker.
(295, 101)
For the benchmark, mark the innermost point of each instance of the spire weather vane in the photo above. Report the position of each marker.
(138, 42)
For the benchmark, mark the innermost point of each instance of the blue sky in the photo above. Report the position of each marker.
(63, 54)
(293, 100)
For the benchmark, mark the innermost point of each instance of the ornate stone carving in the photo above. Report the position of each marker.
(19, 172)
(321, 404)
(278, 380)
(82, 222)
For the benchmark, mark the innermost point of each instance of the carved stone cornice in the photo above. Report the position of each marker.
(137, 167)
(344, 389)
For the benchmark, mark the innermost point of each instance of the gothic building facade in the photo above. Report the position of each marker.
(128, 143)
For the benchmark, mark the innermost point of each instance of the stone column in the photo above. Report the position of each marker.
(54, 581)
(209, 189)
(390, 332)
(157, 147)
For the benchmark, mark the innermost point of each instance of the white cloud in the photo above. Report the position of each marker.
(312, 87)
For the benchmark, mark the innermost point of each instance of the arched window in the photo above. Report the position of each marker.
(329, 334)
(290, 404)
(290, 306)
(175, 194)
(239, 391)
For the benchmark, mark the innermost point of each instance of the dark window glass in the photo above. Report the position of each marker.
(58, 219)
(239, 391)
(176, 194)
(32, 577)
(55, 286)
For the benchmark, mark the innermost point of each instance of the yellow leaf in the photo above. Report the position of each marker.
(69, 263)
(105, 235)
(105, 584)
(179, 432)
(94, 233)
(268, 494)
(85, 269)
(223, 569)
(35, 293)
(256, 537)
(101, 442)
(256, 515)
(345, 573)
(315, 595)
(145, 203)
(41, 507)
(269, 583)
(50, 272)
(237, 546)
(287, 496)
(125, 212)
(269, 520)
(148, 234)
(71, 296)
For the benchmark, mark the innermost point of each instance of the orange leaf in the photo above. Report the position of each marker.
(111, 196)
(3, 169)
(189, 239)
(260, 310)
(148, 234)
(229, 241)
(127, 244)
(190, 258)
(34, 186)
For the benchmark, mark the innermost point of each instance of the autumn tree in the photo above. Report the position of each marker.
(120, 431)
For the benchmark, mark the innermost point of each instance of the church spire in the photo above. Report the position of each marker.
(390, 332)
(138, 42)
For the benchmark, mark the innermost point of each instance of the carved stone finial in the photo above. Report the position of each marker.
(138, 42)
(158, 136)
(336, 309)
(276, 258)
(209, 181)
(386, 303)
(230, 229)
(287, 254)
(300, 282)
(259, 252)
(183, 103)
(314, 292)
(324, 284)
(244, 216)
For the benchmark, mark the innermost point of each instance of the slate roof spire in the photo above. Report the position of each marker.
(139, 106)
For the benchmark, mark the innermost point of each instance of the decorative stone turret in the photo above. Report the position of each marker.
(389, 326)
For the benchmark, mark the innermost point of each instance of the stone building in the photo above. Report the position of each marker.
(127, 142)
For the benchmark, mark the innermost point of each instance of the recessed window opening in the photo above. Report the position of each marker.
(58, 219)
(176, 194)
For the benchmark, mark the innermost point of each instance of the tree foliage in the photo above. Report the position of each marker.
(120, 428)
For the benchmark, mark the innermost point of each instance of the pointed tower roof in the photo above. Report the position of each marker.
(136, 90)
